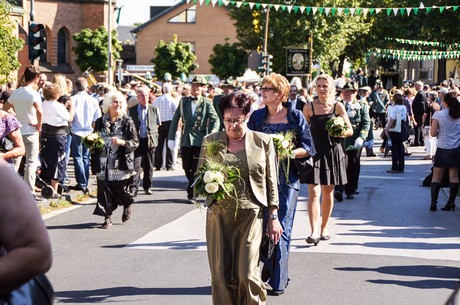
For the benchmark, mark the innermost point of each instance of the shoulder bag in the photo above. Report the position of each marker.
(396, 126)
(304, 165)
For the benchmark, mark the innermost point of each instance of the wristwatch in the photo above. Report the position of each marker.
(273, 216)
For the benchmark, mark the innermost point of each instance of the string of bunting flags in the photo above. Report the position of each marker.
(414, 55)
(424, 43)
(394, 11)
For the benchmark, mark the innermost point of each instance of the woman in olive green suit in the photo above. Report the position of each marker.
(233, 242)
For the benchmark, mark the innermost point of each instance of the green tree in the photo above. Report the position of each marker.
(92, 49)
(9, 44)
(228, 60)
(331, 34)
(174, 57)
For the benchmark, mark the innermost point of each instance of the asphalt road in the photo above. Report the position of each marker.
(386, 248)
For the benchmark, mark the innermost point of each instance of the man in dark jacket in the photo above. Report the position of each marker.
(146, 119)
(418, 109)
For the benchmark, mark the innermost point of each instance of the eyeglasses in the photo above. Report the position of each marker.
(235, 121)
(266, 89)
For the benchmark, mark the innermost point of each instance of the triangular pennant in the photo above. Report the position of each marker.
(296, 9)
(321, 10)
(416, 10)
(346, 11)
(333, 11)
(314, 9)
(395, 11)
(213, 2)
(401, 11)
(339, 10)
(188, 1)
(289, 8)
(258, 5)
(358, 11)
(455, 7)
(264, 5)
(308, 10)
(283, 7)
(352, 11)
(408, 10)
(238, 4)
(327, 10)
(428, 9)
(371, 11)
(388, 11)
(441, 9)
(302, 9)
(207, 2)
(251, 5)
(378, 10)
(276, 6)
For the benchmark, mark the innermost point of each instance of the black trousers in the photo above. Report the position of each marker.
(143, 162)
(163, 131)
(397, 154)
(190, 157)
(418, 137)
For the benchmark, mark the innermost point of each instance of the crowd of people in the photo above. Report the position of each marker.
(142, 128)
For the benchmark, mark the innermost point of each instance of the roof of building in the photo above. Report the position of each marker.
(156, 17)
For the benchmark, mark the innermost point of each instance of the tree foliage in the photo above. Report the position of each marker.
(9, 44)
(174, 57)
(228, 60)
(331, 34)
(91, 49)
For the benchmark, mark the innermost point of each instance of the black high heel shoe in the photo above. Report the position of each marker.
(449, 207)
(312, 240)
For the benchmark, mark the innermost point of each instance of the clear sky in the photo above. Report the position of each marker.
(138, 11)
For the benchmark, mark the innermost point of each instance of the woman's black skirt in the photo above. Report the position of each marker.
(53, 157)
(111, 194)
(447, 158)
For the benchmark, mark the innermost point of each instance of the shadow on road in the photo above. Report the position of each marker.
(100, 295)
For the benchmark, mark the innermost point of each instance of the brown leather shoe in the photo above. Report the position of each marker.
(126, 214)
(107, 223)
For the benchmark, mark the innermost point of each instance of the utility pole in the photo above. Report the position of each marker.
(32, 10)
(109, 56)
(267, 16)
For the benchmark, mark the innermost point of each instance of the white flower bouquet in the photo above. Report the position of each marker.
(284, 146)
(215, 178)
(336, 126)
(93, 141)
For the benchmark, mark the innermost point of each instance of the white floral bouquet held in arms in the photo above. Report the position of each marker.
(336, 126)
(215, 178)
(284, 146)
(93, 141)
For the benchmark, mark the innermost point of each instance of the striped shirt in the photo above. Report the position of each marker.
(166, 105)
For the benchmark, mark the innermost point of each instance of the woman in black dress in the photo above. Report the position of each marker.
(329, 161)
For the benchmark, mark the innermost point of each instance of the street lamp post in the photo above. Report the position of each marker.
(109, 55)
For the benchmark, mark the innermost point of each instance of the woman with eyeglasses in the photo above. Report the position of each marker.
(329, 162)
(234, 228)
(275, 118)
(114, 163)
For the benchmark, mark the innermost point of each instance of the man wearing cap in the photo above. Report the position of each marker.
(379, 99)
(358, 113)
(228, 87)
(418, 109)
(198, 116)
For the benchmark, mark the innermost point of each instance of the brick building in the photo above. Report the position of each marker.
(201, 25)
(62, 19)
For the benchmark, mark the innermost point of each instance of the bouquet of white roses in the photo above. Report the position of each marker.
(336, 126)
(284, 146)
(93, 141)
(215, 178)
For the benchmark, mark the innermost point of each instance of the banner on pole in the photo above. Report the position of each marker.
(297, 62)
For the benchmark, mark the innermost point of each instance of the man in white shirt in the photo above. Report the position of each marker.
(166, 106)
(27, 104)
(87, 111)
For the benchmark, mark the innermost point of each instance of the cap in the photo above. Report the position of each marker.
(365, 88)
(199, 80)
(134, 83)
(443, 90)
(229, 82)
(349, 86)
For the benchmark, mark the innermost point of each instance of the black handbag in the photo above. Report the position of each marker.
(37, 291)
(304, 165)
(267, 247)
(6, 145)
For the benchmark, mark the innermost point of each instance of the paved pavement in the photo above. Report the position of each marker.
(386, 247)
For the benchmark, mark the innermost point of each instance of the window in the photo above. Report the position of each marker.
(187, 16)
(62, 46)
